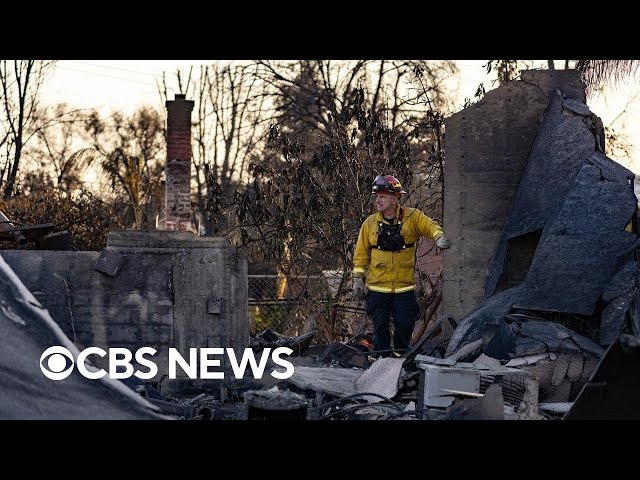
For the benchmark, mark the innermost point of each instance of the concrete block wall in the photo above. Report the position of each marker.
(174, 289)
(487, 147)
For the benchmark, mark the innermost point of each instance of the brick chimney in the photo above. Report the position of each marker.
(177, 203)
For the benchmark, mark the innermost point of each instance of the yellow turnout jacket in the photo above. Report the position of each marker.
(391, 272)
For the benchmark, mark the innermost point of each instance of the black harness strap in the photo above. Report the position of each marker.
(389, 236)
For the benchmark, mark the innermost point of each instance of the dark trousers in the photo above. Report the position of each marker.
(404, 309)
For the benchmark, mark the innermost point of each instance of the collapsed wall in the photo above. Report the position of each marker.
(487, 147)
(561, 283)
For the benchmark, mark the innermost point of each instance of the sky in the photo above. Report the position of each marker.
(112, 84)
(126, 84)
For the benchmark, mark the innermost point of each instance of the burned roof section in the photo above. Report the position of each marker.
(568, 189)
(26, 331)
(581, 206)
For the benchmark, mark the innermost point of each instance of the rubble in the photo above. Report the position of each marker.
(578, 293)
(558, 340)
(613, 391)
(274, 404)
(489, 406)
(269, 338)
(434, 340)
(443, 381)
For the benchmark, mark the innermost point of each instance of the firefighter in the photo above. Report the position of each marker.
(385, 254)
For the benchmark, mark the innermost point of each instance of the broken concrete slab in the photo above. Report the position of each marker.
(473, 350)
(622, 299)
(486, 361)
(527, 360)
(580, 201)
(506, 340)
(516, 362)
(332, 381)
(577, 107)
(611, 171)
(435, 360)
(529, 346)
(383, 378)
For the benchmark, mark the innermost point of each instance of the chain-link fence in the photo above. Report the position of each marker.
(296, 305)
(293, 306)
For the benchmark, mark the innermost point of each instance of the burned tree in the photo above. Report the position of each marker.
(20, 82)
(126, 152)
(312, 192)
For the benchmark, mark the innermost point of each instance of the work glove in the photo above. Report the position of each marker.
(442, 243)
(358, 288)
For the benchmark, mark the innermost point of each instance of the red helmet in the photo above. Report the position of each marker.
(386, 184)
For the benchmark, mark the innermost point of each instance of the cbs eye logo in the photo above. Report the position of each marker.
(59, 364)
